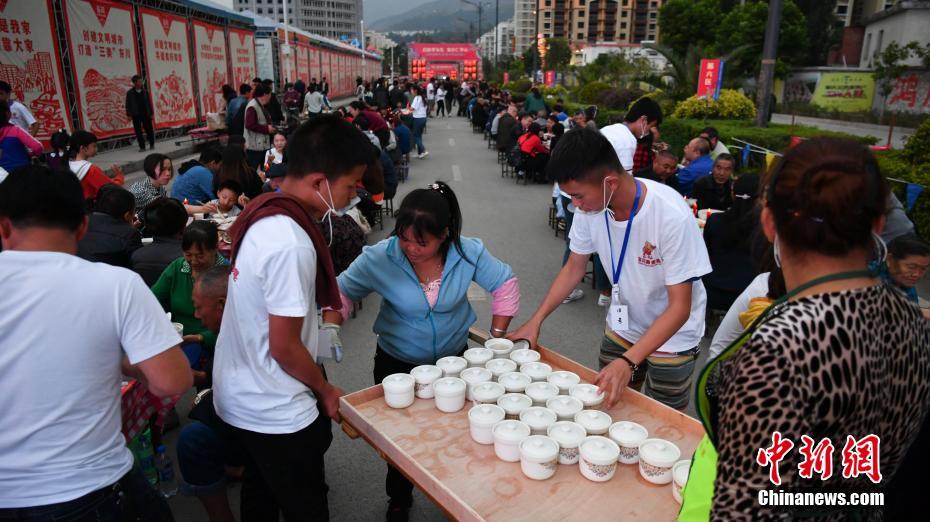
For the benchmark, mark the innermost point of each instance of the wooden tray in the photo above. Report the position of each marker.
(435, 451)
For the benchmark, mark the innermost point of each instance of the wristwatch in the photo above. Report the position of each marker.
(633, 366)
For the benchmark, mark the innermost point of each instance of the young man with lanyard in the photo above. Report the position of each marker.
(648, 243)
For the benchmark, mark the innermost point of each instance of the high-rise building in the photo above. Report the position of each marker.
(503, 40)
(586, 22)
(524, 25)
(330, 18)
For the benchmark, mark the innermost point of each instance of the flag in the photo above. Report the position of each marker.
(769, 159)
(913, 192)
(746, 155)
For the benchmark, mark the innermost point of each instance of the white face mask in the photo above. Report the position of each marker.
(333, 211)
(605, 208)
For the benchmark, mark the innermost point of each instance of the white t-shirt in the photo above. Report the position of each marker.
(440, 93)
(430, 91)
(65, 324)
(624, 143)
(419, 108)
(20, 115)
(275, 273)
(665, 248)
(730, 327)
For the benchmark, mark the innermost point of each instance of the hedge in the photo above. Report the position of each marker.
(894, 165)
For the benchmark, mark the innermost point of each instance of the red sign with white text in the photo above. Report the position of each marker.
(242, 56)
(212, 66)
(710, 78)
(169, 68)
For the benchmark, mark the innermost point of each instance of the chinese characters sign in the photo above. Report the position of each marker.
(859, 457)
(210, 46)
(169, 68)
(845, 92)
(242, 56)
(303, 62)
(710, 78)
(29, 63)
(102, 41)
(911, 93)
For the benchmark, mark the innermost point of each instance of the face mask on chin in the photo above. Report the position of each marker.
(604, 207)
(333, 211)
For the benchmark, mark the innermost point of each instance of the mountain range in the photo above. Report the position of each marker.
(444, 16)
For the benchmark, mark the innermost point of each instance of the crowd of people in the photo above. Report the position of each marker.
(256, 250)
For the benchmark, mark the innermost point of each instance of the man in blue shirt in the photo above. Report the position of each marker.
(697, 152)
(194, 182)
(236, 104)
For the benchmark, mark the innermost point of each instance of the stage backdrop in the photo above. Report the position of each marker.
(212, 66)
(168, 62)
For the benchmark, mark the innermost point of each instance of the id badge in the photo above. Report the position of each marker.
(618, 315)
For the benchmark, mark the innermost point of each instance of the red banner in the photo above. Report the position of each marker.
(303, 62)
(315, 63)
(212, 66)
(168, 60)
(29, 63)
(550, 78)
(102, 41)
(710, 78)
(242, 56)
(444, 52)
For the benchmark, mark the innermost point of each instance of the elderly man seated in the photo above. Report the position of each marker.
(698, 164)
(716, 191)
(662, 169)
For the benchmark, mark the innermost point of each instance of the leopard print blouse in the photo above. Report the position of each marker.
(830, 365)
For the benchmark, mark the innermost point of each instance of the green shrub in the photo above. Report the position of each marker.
(521, 86)
(619, 99)
(896, 166)
(732, 105)
(589, 92)
(917, 148)
(555, 92)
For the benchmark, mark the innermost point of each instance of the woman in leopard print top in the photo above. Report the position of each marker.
(844, 357)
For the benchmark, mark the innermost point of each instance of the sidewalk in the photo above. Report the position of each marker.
(850, 127)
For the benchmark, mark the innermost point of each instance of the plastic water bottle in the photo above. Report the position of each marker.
(147, 457)
(167, 484)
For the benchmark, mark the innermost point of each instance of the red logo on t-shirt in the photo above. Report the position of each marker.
(647, 259)
(235, 274)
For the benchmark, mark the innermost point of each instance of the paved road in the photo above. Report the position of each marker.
(857, 129)
(512, 221)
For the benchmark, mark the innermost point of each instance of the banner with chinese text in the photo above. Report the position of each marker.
(315, 64)
(29, 63)
(910, 93)
(242, 56)
(303, 62)
(102, 40)
(845, 92)
(212, 66)
(168, 61)
(710, 78)
(324, 67)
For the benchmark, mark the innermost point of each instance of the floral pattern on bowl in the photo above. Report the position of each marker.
(653, 471)
(628, 453)
(569, 453)
(600, 470)
(552, 465)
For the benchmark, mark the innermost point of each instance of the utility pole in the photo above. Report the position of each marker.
(497, 29)
(287, 49)
(767, 71)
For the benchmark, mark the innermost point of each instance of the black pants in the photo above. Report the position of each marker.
(284, 473)
(441, 107)
(139, 123)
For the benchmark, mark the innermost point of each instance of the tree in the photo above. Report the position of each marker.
(688, 23)
(683, 68)
(531, 59)
(824, 29)
(745, 25)
(889, 65)
(614, 68)
(558, 54)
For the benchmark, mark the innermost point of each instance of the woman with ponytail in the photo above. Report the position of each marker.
(422, 272)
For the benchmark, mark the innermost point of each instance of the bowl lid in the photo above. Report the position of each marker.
(586, 392)
(511, 430)
(599, 450)
(426, 372)
(567, 432)
(514, 379)
(449, 386)
(538, 417)
(524, 355)
(475, 375)
(593, 420)
(680, 471)
(398, 380)
(522, 344)
(478, 353)
(563, 378)
(541, 391)
(514, 402)
(536, 369)
(659, 452)
(487, 391)
(499, 345)
(628, 433)
(564, 405)
(451, 362)
(501, 365)
(539, 447)
(486, 413)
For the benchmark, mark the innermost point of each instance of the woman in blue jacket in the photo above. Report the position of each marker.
(422, 273)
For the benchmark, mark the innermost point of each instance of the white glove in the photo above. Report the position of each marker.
(334, 339)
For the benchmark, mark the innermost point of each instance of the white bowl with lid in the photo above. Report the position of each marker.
(569, 435)
(500, 347)
(680, 472)
(487, 392)
(539, 457)
(452, 365)
(594, 422)
(565, 407)
(564, 380)
(541, 392)
(398, 390)
(598, 458)
(514, 404)
(538, 419)
(499, 367)
(589, 395)
(628, 435)
(425, 375)
(481, 421)
(514, 382)
(508, 434)
(450, 394)
(524, 356)
(477, 357)
(656, 458)
(537, 370)
(521, 344)
(473, 377)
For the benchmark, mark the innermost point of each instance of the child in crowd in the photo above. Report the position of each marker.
(226, 199)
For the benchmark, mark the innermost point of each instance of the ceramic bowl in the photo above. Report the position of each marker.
(450, 394)
(538, 419)
(539, 457)
(477, 357)
(398, 390)
(487, 392)
(499, 367)
(425, 375)
(508, 434)
(451, 366)
(564, 380)
(500, 347)
(588, 394)
(541, 392)
(598, 458)
(481, 421)
(628, 435)
(538, 371)
(656, 458)
(473, 377)
(680, 471)
(514, 403)
(594, 422)
(514, 382)
(565, 407)
(524, 356)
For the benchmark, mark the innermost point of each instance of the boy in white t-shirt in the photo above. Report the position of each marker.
(69, 330)
(655, 258)
(266, 383)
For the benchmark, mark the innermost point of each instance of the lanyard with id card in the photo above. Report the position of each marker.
(618, 315)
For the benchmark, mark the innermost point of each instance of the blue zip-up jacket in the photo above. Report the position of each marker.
(697, 169)
(408, 329)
